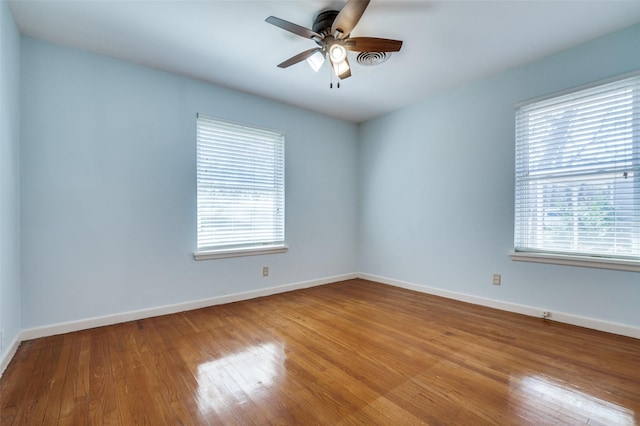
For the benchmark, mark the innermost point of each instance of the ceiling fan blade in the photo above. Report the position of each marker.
(372, 44)
(299, 57)
(348, 18)
(293, 28)
(347, 72)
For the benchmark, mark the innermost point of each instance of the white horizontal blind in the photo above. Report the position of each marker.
(578, 173)
(240, 175)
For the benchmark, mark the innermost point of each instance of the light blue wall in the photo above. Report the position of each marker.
(437, 190)
(108, 189)
(9, 179)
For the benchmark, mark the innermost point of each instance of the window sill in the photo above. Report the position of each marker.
(255, 251)
(584, 261)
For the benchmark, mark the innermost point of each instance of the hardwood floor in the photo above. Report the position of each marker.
(353, 352)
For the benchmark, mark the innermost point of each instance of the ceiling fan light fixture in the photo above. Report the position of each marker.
(316, 60)
(337, 53)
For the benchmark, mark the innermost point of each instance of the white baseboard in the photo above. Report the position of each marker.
(50, 330)
(67, 327)
(8, 355)
(593, 323)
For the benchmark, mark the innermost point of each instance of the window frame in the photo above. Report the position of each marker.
(234, 185)
(624, 263)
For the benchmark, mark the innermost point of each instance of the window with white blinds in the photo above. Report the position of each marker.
(240, 188)
(578, 173)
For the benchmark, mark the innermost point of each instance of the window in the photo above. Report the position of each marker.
(240, 189)
(578, 175)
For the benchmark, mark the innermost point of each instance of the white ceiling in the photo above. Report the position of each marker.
(226, 42)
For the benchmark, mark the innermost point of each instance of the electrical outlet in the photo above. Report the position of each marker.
(265, 271)
(497, 279)
(546, 314)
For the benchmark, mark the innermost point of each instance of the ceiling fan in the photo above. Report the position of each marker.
(331, 30)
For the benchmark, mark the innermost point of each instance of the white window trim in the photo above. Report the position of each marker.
(619, 264)
(273, 247)
(573, 260)
(222, 254)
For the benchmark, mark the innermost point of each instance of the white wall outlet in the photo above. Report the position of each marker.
(497, 279)
(546, 314)
(265, 271)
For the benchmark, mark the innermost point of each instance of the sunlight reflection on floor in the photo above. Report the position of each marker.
(236, 378)
(571, 401)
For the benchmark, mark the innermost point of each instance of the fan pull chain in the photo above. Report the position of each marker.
(331, 83)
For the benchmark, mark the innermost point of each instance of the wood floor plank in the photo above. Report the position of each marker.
(348, 353)
(39, 381)
(57, 382)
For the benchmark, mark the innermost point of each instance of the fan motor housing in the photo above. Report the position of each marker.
(323, 22)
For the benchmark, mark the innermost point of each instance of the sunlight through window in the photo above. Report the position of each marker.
(239, 377)
(572, 401)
